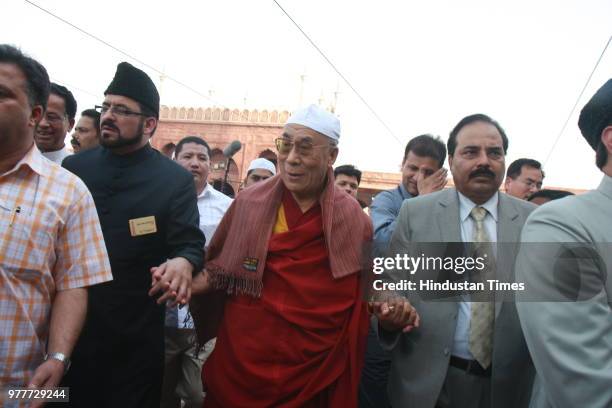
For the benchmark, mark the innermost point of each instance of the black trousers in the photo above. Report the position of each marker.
(112, 369)
(373, 385)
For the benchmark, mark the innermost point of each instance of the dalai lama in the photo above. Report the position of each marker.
(284, 265)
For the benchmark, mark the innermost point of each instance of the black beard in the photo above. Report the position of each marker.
(121, 141)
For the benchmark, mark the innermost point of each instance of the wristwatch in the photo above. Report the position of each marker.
(59, 357)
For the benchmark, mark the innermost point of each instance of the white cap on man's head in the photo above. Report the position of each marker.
(317, 119)
(262, 163)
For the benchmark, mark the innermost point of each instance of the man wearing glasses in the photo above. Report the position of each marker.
(57, 122)
(283, 267)
(523, 178)
(148, 211)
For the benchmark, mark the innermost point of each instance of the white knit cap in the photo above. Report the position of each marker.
(317, 119)
(262, 163)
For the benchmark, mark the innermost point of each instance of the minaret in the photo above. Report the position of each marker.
(301, 97)
(162, 77)
(334, 104)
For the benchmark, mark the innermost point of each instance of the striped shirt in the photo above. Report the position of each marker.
(50, 240)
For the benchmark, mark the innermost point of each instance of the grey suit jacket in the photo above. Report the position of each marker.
(420, 359)
(571, 342)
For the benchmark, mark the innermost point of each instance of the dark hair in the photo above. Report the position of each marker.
(348, 170)
(148, 112)
(601, 156)
(70, 103)
(427, 146)
(191, 139)
(36, 75)
(515, 168)
(451, 144)
(95, 115)
(601, 153)
(551, 194)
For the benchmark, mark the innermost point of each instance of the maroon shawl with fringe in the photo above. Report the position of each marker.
(236, 256)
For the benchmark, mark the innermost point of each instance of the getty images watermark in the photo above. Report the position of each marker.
(505, 271)
(467, 266)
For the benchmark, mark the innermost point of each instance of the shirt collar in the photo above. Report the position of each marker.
(606, 185)
(206, 192)
(405, 194)
(466, 205)
(33, 159)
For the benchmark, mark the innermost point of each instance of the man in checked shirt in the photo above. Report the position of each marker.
(51, 245)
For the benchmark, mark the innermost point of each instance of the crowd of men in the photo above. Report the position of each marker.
(125, 276)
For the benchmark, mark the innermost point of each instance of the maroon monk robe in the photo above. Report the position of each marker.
(301, 343)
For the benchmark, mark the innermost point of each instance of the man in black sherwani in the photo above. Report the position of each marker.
(149, 217)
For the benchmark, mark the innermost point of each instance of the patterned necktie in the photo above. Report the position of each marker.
(482, 313)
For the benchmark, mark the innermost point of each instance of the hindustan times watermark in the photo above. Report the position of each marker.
(508, 271)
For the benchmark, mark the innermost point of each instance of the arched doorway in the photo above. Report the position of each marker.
(270, 155)
(218, 165)
(168, 150)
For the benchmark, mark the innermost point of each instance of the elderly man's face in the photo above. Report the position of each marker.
(478, 163)
(304, 166)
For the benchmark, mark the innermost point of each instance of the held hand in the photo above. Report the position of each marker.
(173, 279)
(395, 314)
(47, 375)
(433, 183)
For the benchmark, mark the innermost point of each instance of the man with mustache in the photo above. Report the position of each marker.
(56, 123)
(469, 350)
(148, 211)
(285, 264)
(87, 131)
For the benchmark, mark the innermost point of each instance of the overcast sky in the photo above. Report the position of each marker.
(422, 66)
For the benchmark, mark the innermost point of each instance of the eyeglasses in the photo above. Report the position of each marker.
(531, 183)
(117, 110)
(53, 118)
(304, 149)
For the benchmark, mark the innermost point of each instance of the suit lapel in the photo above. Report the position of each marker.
(508, 231)
(448, 216)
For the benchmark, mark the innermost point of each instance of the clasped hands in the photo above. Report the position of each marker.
(395, 313)
(173, 280)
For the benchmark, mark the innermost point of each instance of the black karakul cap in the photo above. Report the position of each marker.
(134, 83)
(596, 115)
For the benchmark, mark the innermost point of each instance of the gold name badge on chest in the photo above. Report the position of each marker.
(142, 226)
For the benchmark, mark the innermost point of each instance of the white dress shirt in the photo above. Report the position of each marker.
(57, 156)
(461, 347)
(212, 205)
